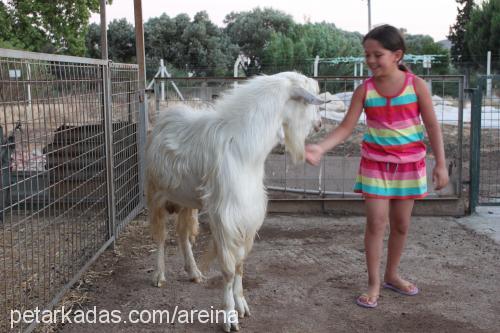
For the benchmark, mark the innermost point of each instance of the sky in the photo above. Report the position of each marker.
(428, 17)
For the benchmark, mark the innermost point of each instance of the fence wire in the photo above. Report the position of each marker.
(126, 138)
(54, 212)
(489, 171)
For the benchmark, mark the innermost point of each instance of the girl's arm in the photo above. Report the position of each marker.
(341, 132)
(440, 173)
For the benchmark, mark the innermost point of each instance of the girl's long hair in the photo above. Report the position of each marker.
(391, 39)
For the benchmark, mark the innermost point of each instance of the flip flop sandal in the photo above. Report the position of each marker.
(364, 301)
(387, 285)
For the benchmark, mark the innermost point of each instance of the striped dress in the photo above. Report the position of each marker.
(392, 153)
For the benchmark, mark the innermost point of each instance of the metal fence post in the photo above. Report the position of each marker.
(475, 147)
(157, 97)
(461, 96)
(142, 138)
(108, 136)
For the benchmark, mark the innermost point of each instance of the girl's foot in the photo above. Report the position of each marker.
(367, 301)
(401, 286)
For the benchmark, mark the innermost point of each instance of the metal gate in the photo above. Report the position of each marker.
(485, 142)
(71, 139)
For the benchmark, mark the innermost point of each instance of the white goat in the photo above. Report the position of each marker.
(215, 159)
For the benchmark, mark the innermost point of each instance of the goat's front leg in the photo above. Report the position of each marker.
(229, 253)
(230, 321)
(241, 304)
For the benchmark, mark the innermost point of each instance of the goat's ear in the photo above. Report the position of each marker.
(300, 94)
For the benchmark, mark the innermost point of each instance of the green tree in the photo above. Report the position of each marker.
(252, 31)
(297, 49)
(459, 51)
(327, 41)
(162, 36)
(121, 41)
(93, 41)
(279, 54)
(482, 32)
(424, 44)
(57, 26)
(198, 46)
(8, 38)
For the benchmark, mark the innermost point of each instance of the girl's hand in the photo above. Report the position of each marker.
(440, 177)
(314, 153)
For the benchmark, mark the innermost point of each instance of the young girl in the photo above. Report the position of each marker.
(392, 169)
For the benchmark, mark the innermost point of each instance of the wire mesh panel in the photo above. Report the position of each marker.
(125, 116)
(52, 206)
(336, 175)
(68, 125)
(489, 171)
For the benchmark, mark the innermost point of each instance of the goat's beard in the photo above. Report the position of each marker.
(295, 145)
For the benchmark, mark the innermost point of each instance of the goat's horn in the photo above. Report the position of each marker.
(304, 95)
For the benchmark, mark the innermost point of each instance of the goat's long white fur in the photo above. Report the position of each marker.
(214, 159)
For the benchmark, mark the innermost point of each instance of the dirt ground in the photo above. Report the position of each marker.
(303, 275)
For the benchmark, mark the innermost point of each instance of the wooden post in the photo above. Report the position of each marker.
(139, 44)
(142, 103)
(104, 36)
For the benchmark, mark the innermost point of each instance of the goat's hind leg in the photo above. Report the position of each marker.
(157, 220)
(187, 230)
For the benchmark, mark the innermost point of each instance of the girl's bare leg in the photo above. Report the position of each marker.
(399, 217)
(377, 215)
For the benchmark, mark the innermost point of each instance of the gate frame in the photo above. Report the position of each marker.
(475, 146)
(477, 95)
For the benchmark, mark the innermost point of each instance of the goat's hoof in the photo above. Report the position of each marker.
(198, 279)
(241, 306)
(243, 314)
(159, 279)
(228, 327)
(196, 276)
